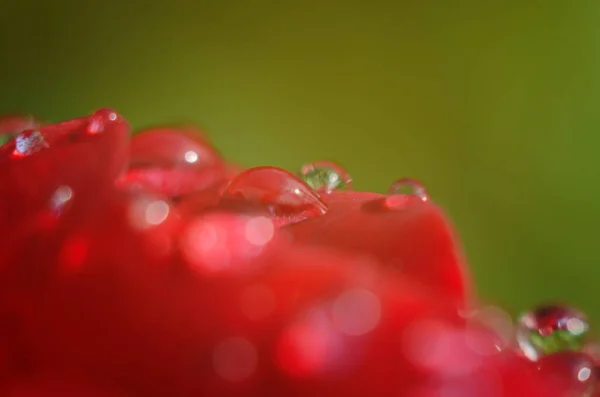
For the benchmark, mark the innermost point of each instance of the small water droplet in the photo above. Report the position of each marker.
(326, 176)
(409, 187)
(569, 373)
(276, 192)
(99, 119)
(29, 142)
(551, 329)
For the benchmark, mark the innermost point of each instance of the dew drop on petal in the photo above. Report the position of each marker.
(570, 373)
(326, 176)
(276, 192)
(409, 187)
(172, 162)
(29, 142)
(99, 119)
(551, 329)
(235, 359)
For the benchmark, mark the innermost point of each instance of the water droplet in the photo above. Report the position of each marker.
(275, 192)
(99, 119)
(409, 187)
(172, 162)
(326, 176)
(550, 329)
(569, 373)
(235, 359)
(29, 142)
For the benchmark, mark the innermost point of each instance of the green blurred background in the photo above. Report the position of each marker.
(493, 106)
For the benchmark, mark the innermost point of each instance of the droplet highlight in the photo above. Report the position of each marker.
(172, 162)
(409, 187)
(326, 176)
(551, 329)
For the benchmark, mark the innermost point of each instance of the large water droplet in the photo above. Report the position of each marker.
(326, 176)
(172, 162)
(410, 187)
(570, 374)
(276, 192)
(550, 329)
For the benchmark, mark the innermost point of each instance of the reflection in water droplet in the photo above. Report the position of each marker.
(275, 192)
(326, 176)
(235, 359)
(356, 312)
(409, 187)
(550, 329)
(29, 142)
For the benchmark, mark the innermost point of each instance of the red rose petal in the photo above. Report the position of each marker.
(84, 155)
(414, 239)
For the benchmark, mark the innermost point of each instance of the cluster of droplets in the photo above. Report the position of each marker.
(555, 337)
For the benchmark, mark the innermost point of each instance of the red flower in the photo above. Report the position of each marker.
(151, 267)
